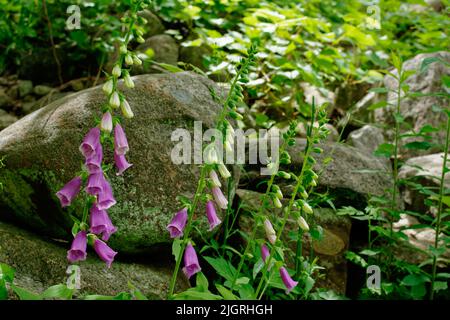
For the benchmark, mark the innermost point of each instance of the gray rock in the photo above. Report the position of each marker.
(29, 107)
(42, 90)
(154, 24)
(25, 87)
(366, 139)
(165, 50)
(418, 112)
(195, 55)
(40, 264)
(5, 101)
(42, 155)
(6, 119)
(320, 95)
(426, 170)
(330, 249)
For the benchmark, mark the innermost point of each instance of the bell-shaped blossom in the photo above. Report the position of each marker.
(95, 183)
(120, 140)
(104, 252)
(287, 280)
(224, 171)
(129, 59)
(214, 179)
(69, 191)
(303, 224)
(77, 251)
(101, 223)
(105, 198)
(94, 162)
(90, 142)
(270, 232)
(220, 199)
(127, 79)
(126, 109)
(117, 71)
(114, 100)
(191, 265)
(121, 163)
(264, 252)
(211, 214)
(106, 124)
(176, 226)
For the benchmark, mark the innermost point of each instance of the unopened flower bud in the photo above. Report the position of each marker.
(126, 109)
(140, 39)
(224, 171)
(214, 179)
(284, 175)
(307, 208)
(303, 224)
(106, 123)
(129, 59)
(108, 87)
(114, 100)
(211, 155)
(117, 71)
(270, 232)
(128, 81)
(278, 192)
(277, 202)
(137, 61)
(123, 49)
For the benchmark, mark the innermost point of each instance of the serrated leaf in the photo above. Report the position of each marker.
(225, 293)
(58, 291)
(25, 294)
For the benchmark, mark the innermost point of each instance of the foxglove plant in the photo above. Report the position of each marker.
(99, 193)
(209, 169)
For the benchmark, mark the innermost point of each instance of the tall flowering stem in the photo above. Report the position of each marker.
(229, 109)
(99, 194)
(306, 177)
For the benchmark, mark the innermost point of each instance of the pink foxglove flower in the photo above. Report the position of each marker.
(264, 252)
(106, 123)
(105, 198)
(287, 280)
(191, 265)
(77, 251)
(120, 140)
(121, 163)
(214, 179)
(90, 142)
(104, 252)
(69, 191)
(220, 199)
(176, 226)
(94, 162)
(211, 214)
(95, 183)
(101, 223)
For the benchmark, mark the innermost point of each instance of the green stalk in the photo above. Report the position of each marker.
(187, 230)
(298, 253)
(439, 214)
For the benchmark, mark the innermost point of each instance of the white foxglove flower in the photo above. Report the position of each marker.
(214, 179)
(123, 49)
(303, 224)
(224, 171)
(270, 232)
(307, 208)
(129, 59)
(137, 61)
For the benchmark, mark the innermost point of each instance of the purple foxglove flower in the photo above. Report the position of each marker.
(176, 226)
(287, 280)
(94, 162)
(77, 251)
(265, 253)
(105, 199)
(101, 223)
(104, 252)
(211, 214)
(95, 183)
(106, 123)
(191, 265)
(120, 140)
(220, 199)
(69, 191)
(121, 163)
(90, 142)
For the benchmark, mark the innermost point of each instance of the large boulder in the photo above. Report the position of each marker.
(418, 111)
(41, 155)
(40, 264)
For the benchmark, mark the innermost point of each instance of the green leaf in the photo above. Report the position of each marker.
(202, 282)
(427, 62)
(6, 273)
(226, 294)
(414, 279)
(24, 294)
(418, 145)
(222, 267)
(3, 290)
(440, 285)
(368, 252)
(58, 291)
(309, 284)
(353, 257)
(378, 105)
(192, 294)
(119, 296)
(379, 90)
(176, 248)
(169, 67)
(384, 150)
(257, 267)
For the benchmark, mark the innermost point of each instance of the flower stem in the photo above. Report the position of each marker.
(439, 213)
